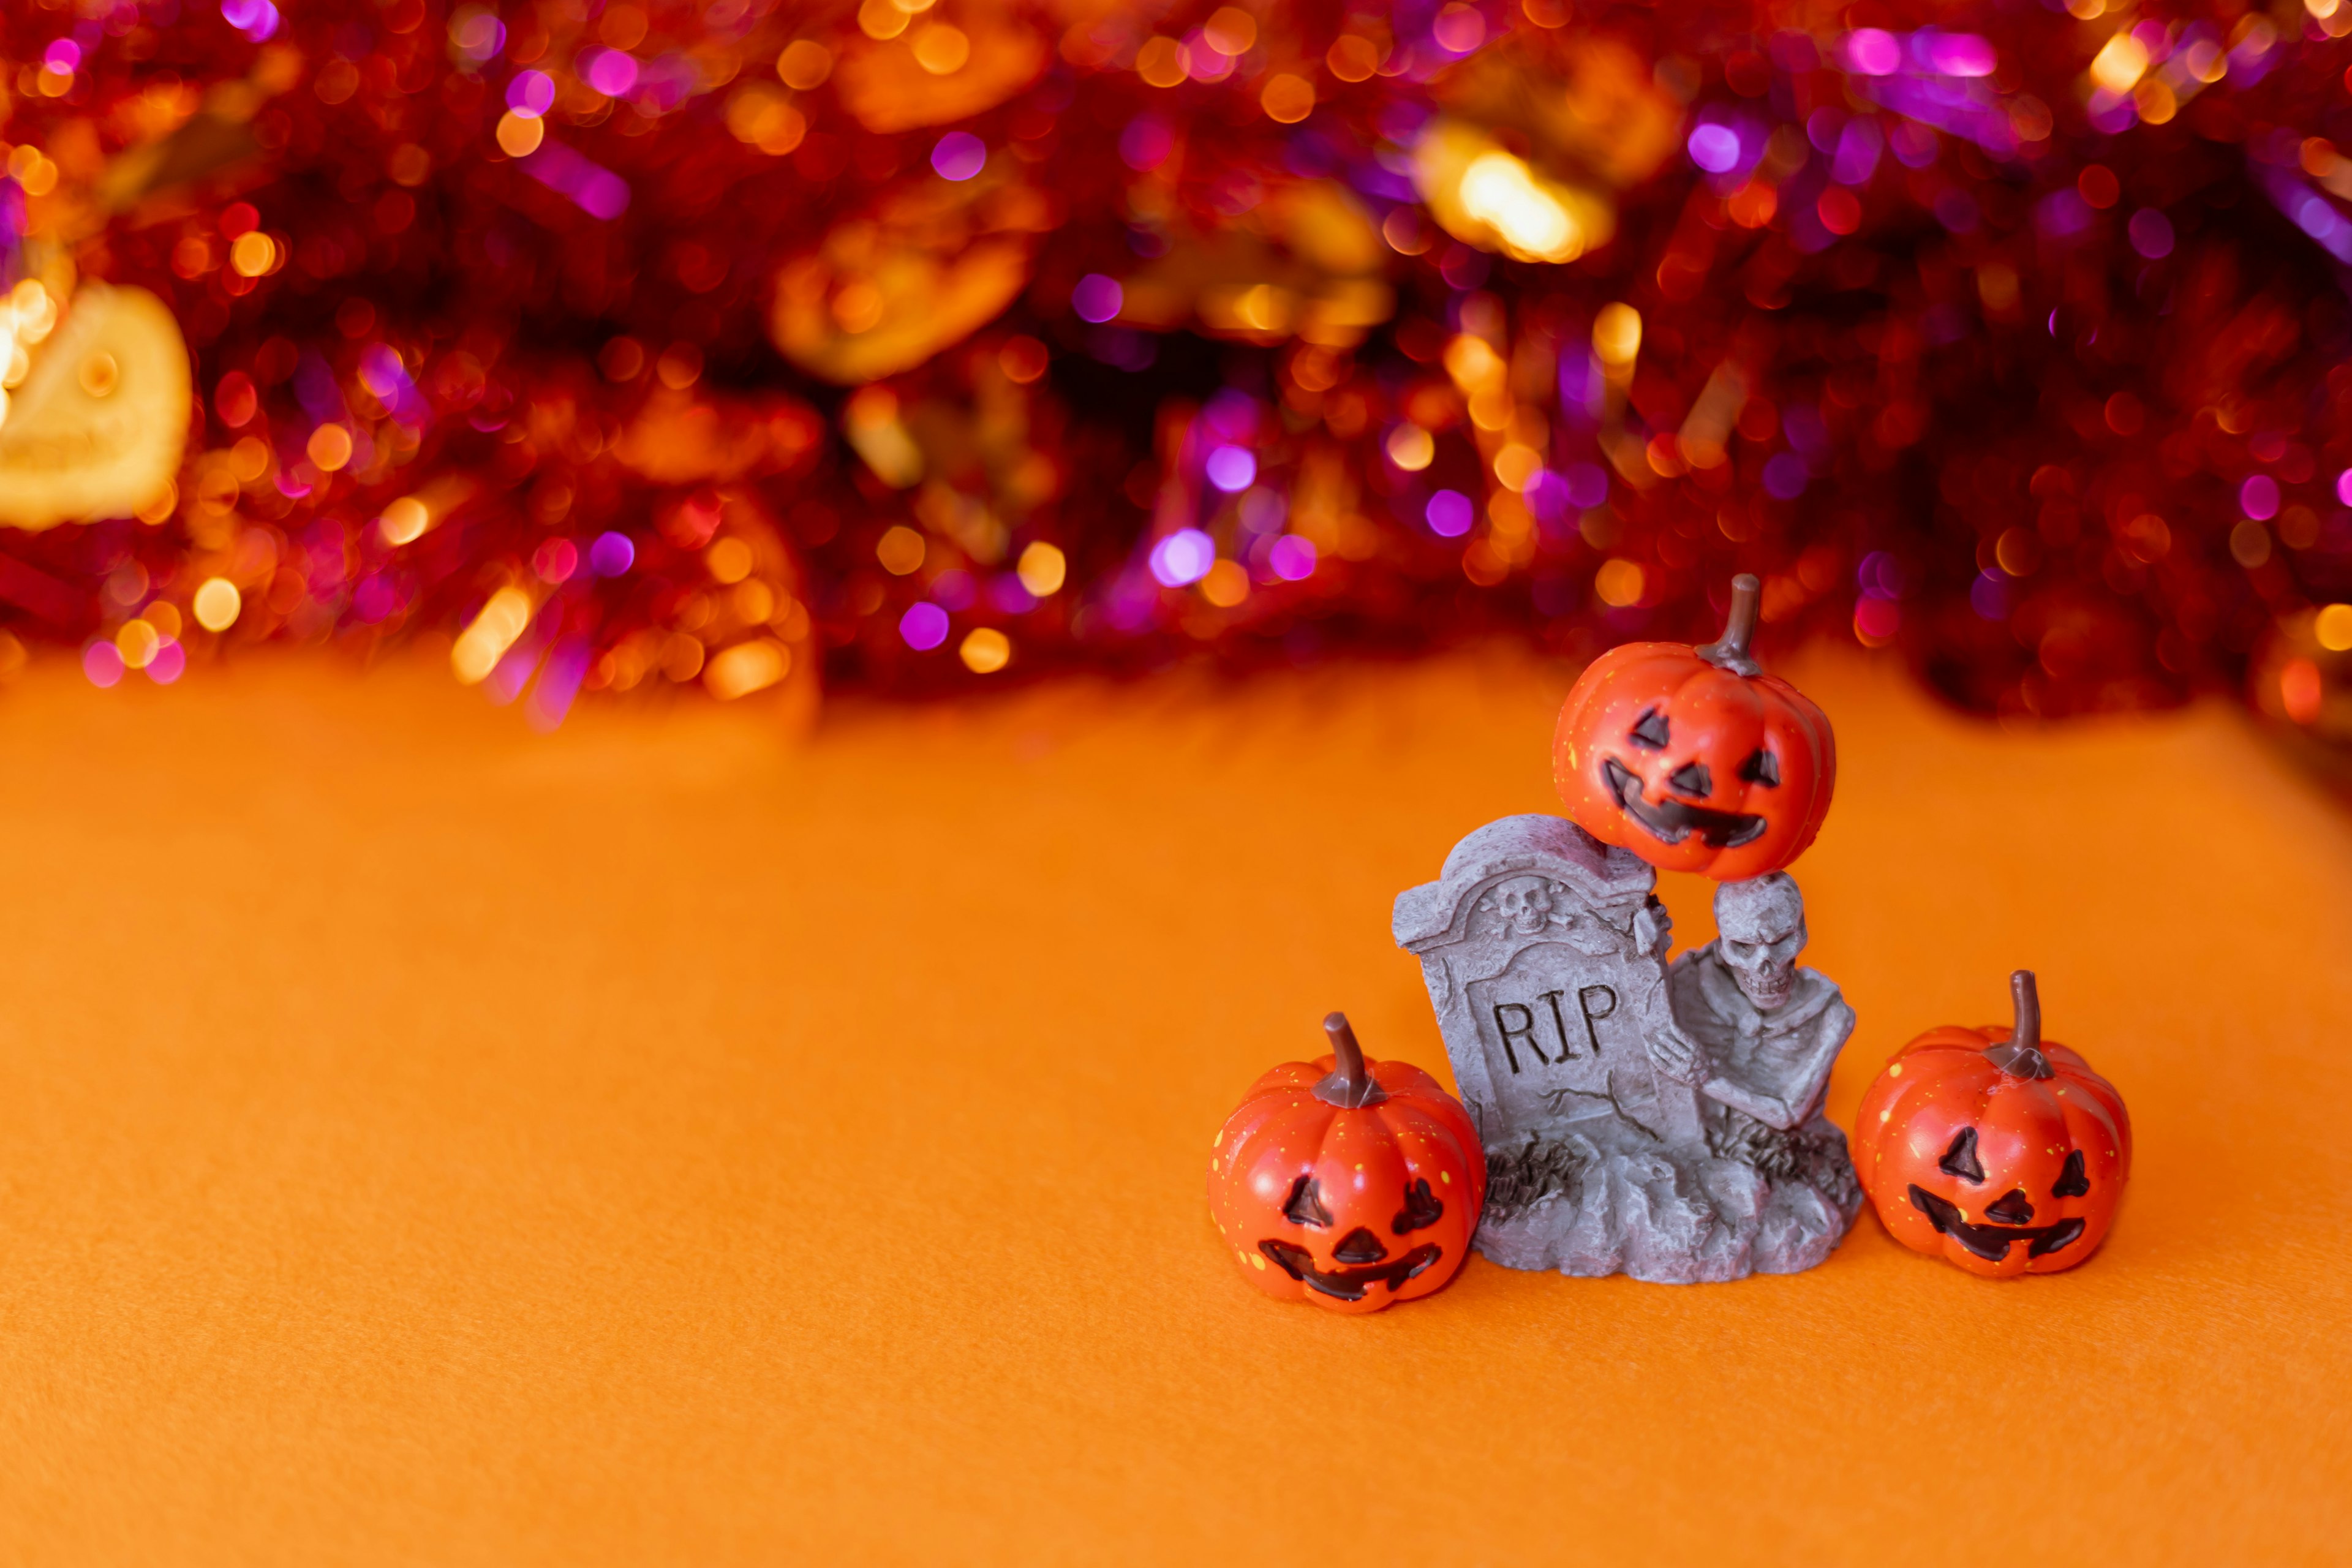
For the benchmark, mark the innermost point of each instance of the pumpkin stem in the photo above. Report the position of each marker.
(2021, 1054)
(1730, 652)
(1350, 1085)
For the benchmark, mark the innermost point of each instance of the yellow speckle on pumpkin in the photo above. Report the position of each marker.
(1895, 1069)
(1220, 1138)
(1886, 1115)
(1259, 1261)
(1359, 1167)
(1445, 1176)
(1212, 1161)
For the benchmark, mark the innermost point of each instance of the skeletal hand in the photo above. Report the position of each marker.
(1675, 1054)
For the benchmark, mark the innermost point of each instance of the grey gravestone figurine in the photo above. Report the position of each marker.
(1662, 1122)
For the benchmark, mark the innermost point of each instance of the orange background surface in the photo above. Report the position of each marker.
(425, 1141)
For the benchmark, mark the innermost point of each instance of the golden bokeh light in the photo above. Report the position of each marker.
(1517, 467)
(2333, 627)
(940, 49)
(729, 560)
(805, 64)
(217, 604)
(746, 668)
(1617, 334)
(1532, 224)
(1353, 57)
(900, 549)
(253, 254)
(1619, 582)
(1160, 62)
(137, 642)
(482, 644)
(518, 134)
(2120, 63)
(1410, 447)
(1226, 584)
(1288, 98)
(1043, 569)
(986, 650)
(404, 522)
(1231, 30)
(328, 448)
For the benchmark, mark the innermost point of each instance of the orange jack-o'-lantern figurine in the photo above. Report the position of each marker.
(1994, 1148)
(1693, 758)
(1348, 1183)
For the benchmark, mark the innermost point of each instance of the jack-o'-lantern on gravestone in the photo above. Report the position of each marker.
(1994, 1148)
(1693, 758)
(1346, 1182)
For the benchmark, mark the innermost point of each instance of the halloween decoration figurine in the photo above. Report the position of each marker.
(1665, 1124)
(1346, 1182)
(96, 427)
(1995, 1148)
(1693, 758)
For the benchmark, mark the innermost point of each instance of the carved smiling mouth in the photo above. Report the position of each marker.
(1671, 820)
(1348, 1284)
(1991, 1242)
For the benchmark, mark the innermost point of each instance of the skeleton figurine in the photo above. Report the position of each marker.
(1769, 1031)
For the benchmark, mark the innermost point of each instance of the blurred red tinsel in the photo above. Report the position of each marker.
(904, 343)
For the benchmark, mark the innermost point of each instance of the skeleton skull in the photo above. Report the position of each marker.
(1761, 928)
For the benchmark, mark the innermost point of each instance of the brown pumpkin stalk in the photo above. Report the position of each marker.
(1730, 652)
(2021, 1054)
(1350, 1084)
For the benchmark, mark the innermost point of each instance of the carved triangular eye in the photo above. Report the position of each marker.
(1692, 778)
(1421, 1208)
(1305, 1204)
(2073, 1180)
(1960, 1158)
(1651, 731)
(1761, 768)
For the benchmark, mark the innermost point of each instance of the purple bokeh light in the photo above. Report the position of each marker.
(1097, 298)
(102, 662)
(1230, 469)
(1587, 486)
(612, 555)
(924, 626)
(2151, 234)
(2258, 497)
(610, 71)
(1146, 142)
(1715, 148)
(1183, 557)
(1873, 51)
(257, 19)
(531, 93)
(1449, 514)
(1291, 558)
(596, 190)
(958, 155)
(168, 662)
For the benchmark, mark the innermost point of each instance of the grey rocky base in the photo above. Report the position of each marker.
(1604, 1197)
(1667, 1131)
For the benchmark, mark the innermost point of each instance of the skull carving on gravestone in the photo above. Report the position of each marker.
(1760, 929)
